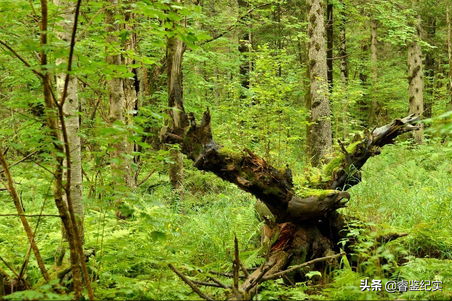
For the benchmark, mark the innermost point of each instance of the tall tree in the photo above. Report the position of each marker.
(416, 76)
(374, 106)
(121, 89)
(343, 57)
(319, 132)
(429, 31)
(175, 49)
(449, 52)
(71, 109)
(244, 49)
(329, 43)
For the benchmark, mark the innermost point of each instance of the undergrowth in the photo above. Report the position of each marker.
(405, 190)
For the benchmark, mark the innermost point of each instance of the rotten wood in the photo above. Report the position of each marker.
(309, 226)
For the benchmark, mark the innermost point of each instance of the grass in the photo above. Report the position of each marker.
(405, 189)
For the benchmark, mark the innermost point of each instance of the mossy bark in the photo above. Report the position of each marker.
(305, 220)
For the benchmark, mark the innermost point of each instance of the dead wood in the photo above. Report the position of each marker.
(307, 222)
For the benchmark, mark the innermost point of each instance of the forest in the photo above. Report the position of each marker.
(225, 150)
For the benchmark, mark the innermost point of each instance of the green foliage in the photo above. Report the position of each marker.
(406, 189)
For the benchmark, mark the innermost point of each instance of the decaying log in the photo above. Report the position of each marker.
(253, 174)
(307, 223)
(343, 171)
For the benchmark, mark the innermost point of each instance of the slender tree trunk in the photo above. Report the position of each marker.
(416, 80)
(319, 133)
(375, 109)
(343, 45)
(122, 96)
(244, 49)
(329, 44)
(174, 55)
(430, 30)
(343, 58)
(449, 52)
(71, 109)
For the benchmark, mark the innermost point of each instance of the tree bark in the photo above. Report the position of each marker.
(307, 222)
(416, 79)
(319, 132)
(71, 109)
(343, 44)
(175, 49)
(329, 44)
(375, 109)
(244, 49)
(449, 52)
(122, 94)
(430, 31)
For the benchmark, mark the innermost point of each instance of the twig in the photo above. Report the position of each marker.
(21, 160)
(236, 265)
(228, 275)
(296, 267)
(233, 25)
(9, 267)
(208, 284)
(21, 58)
(190, 283)
(219, 283)
(71, 53)
(31, 215)
(146, 178)
(260, 278)
(16, 200)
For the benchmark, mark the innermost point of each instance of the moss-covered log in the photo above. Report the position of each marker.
(343, 171)
(253, 174)
(307, 225)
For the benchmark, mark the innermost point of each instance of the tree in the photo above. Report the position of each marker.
(121, 89)
(416, 77)
(449, 52)
(375, 106)
(329, 43)
(301, 213)
(175, 48)
(343, 56)
(71, 110)
(319, 132)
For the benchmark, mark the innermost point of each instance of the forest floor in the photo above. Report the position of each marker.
(406, 189)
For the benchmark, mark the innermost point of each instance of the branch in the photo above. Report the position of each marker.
(71, 53)
(190, 283)
(296, 267)
(9, 267)
(12, 191)
(14, 52)
(31, 215)
(233, 25)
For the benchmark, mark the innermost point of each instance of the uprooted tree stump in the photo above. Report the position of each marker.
(306, 222)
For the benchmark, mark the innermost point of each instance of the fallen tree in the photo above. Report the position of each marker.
(305, 220)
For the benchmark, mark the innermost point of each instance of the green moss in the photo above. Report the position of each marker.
(338, 161)
(307, 192)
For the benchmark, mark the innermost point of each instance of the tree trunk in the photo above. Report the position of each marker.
(329, 44)
(375, 109)
(449, 52)
(319, 132)
(308, 224)
(430, 30)
(122, 95)
(244, 50)
(71, 109)
(178, 120)
(416, 80)
(343, 45)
